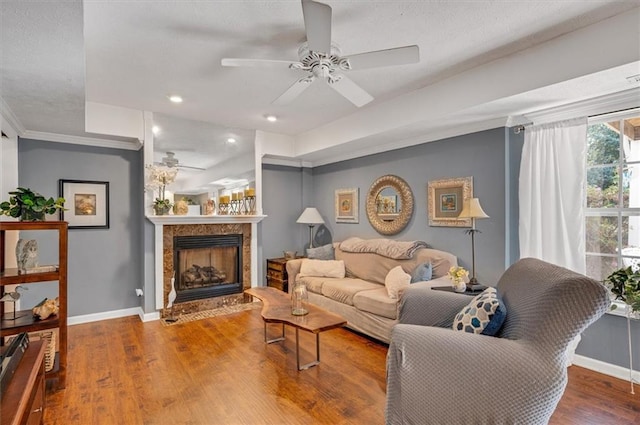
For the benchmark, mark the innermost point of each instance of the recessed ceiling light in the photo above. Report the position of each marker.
(231, 140)
(155, 129)
(175, 99)
(272, 118)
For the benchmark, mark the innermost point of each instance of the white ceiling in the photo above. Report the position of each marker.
(58, 54)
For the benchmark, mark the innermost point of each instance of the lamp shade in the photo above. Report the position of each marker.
(472, 209)
(310, 216)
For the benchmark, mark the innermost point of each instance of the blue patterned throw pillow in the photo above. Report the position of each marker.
(324, 252)
(422, 272)
(484, 315)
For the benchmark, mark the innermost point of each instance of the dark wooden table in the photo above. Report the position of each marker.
(277, 309)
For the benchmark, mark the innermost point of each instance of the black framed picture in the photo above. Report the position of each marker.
(86, 203)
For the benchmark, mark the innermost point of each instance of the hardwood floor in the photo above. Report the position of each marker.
(220, 371)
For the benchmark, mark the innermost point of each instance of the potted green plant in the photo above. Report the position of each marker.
(625, 285)
(158, 177)
(27, 205)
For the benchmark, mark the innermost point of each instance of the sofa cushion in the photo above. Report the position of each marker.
(322, 268)
(376, 301)
(374, 267)
(324, 252)
(343, 290)
(313, 283)
(484, 315)
(422, 272)
(396, 281)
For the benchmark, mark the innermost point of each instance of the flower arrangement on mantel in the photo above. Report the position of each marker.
(158, 177)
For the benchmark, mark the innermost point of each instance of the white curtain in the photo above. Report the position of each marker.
(551, 192)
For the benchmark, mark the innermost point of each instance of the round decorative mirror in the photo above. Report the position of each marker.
(389, 204)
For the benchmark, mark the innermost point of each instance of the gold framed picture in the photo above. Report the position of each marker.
(445, 199)
(346, 204)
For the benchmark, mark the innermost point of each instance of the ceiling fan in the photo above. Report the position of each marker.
(171, 161)
(321, 58)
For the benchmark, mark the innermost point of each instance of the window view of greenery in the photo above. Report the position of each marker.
(613, 196)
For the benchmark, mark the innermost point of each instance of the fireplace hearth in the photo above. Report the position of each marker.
(207, 266)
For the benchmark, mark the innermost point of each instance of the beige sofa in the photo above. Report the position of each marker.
(361, 296)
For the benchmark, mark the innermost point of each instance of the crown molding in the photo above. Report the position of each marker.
(619, 101)
(453, 131)
(81, 140)
(10, 117)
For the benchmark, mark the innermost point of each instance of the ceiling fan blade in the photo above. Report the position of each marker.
(295, 90)
(353, 92)
(317, 22)
(389, 57)
(188, 167)
(263, 63)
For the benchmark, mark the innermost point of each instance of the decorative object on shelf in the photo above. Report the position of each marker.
(389, 187)
(223, 204)
(290, 255)
(310, 216)
(446, 199)
(158, 177)
(46, 308)
(13, 297)
(346, 205)
(625, 285)
(27, 205)
(171, 298)
(181, 207)
(458, 276)
(90, 203)
(26, 254)
(209, 207)
(299, 300)
(250, 201)
(472, 210)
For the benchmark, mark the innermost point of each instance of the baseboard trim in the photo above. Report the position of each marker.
(115, 314)
(606, 368)
(149, 317)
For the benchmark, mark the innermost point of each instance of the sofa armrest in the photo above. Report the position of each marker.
(421, 305)
(438, 376)
(293, 269)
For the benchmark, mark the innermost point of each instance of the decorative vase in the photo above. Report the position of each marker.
(181, 207)
(299, 300)
(459, 286)
(30, 215)
(161, 209)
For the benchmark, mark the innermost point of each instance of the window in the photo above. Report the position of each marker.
(612, 216)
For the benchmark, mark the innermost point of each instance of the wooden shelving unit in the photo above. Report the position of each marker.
(25, 322)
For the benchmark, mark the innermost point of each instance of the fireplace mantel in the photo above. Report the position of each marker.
(204, 219)
(168, 220)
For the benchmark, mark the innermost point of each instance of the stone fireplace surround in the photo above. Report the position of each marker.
(166, 227)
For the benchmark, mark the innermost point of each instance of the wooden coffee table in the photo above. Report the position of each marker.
(277, 309)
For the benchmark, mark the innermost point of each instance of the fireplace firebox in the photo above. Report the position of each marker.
(207, 266)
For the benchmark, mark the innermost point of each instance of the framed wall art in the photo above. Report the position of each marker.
(445, 199)
(346, 205)
(86, 203)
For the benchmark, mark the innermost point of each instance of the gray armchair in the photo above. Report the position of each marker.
(439, 376)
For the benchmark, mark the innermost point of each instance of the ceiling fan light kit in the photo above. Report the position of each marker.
(322, 59)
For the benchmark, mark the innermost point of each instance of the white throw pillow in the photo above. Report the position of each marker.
(396, 281)
(322, 268)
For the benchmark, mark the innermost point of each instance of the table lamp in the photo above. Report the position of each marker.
(472, 210)
(310, 216)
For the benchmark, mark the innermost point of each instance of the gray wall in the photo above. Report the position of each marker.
(282, 202)
(105, 265)
(606, 340)
(481, 155)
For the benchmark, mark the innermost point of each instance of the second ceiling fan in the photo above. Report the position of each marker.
(321, 58)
